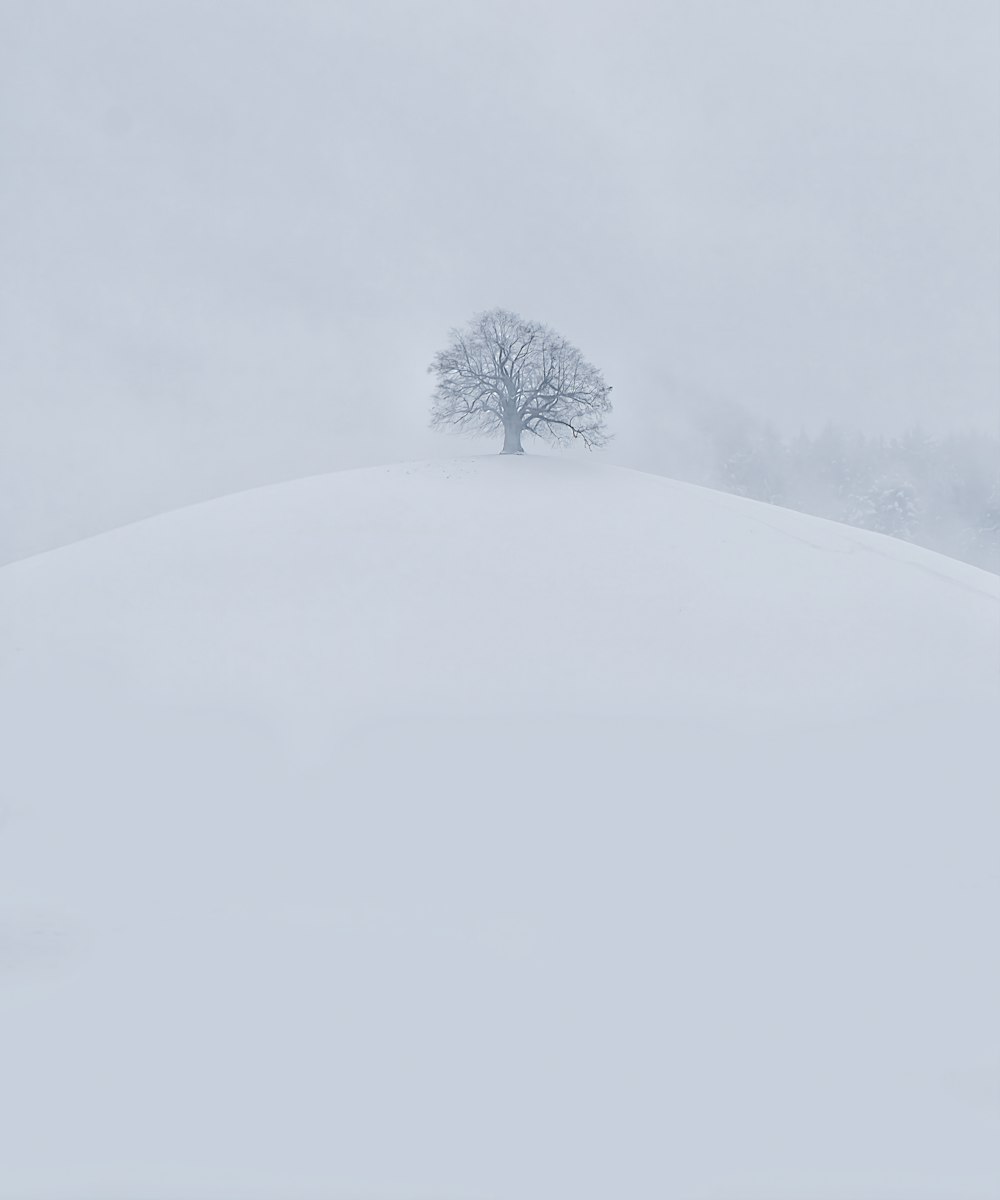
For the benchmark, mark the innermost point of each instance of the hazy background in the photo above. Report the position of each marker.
(233, 235)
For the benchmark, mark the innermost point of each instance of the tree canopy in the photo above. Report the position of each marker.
(503, 372)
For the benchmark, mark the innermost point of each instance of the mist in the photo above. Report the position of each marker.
(233, 236)
(604, 814)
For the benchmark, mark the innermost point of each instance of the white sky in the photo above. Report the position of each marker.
(233, 235)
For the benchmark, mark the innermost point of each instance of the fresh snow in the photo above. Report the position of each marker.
(501, 828)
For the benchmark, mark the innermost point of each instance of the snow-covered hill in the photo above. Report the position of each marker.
(498, 828)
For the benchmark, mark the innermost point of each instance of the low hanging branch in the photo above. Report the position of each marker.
(503, 372)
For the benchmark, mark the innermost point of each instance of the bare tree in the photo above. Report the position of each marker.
(503, 372)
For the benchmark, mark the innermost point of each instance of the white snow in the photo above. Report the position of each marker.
(498, 828)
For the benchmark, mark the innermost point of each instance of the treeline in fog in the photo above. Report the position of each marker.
(943, 493)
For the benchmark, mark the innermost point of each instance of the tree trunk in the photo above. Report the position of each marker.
(512, 438)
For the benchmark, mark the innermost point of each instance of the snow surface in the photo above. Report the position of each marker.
(501, 828)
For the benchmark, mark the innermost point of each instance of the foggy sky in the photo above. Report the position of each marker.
(233, 235)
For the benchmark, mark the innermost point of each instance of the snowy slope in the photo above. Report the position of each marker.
(498, 828)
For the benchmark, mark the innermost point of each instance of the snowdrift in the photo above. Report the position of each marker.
(498, 828)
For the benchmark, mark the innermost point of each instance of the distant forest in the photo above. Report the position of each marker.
(943, 493)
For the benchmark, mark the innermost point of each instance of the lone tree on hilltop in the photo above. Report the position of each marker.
(503, 372)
